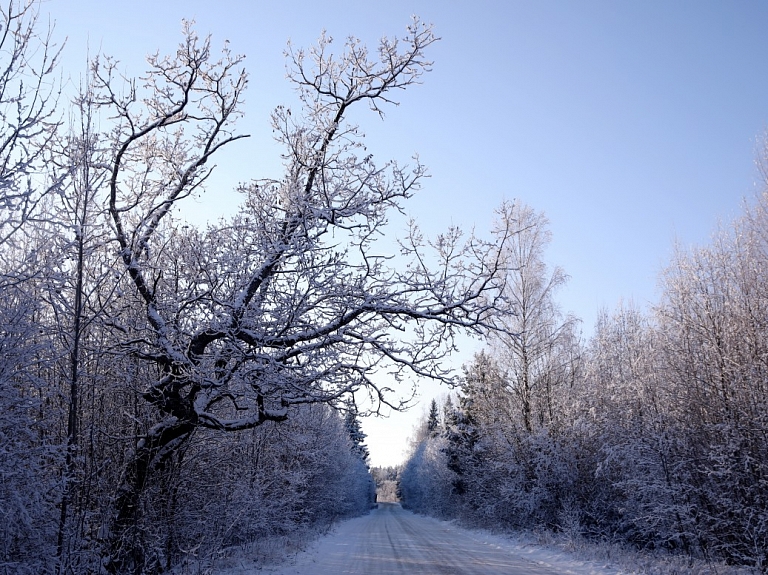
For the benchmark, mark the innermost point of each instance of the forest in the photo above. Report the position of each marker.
(170, 390)
(652, 434)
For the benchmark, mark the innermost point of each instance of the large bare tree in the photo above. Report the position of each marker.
(293, 300)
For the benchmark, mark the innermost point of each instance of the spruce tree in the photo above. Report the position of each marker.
(355, 432)
(433, 421)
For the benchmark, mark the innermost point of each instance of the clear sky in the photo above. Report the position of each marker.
(631, 124)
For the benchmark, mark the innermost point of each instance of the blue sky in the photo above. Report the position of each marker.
(632, 125)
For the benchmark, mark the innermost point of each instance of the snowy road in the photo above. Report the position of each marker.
(392, 541)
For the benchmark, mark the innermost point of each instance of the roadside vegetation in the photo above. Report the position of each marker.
(652, 434)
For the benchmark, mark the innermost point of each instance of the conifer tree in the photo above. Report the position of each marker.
(433, 421)
(356, 434)
(462, 435)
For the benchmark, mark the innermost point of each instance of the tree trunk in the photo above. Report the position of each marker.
(124, 552)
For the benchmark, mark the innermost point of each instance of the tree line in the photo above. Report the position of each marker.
(167, 389)
(654, 432)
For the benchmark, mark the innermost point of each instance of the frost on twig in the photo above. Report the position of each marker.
(29, 93)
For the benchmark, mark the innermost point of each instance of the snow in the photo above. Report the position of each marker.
(391, 540)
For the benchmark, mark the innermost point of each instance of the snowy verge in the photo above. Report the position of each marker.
(574, 554)
(255, 557)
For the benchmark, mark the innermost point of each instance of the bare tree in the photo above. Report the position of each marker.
(291, 301)
(537, 349)
(28, 121)
(713, 323)
(86, 270)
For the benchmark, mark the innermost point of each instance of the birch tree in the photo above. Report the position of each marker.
(537, 348)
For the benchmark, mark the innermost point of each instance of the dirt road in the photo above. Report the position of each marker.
(392, 541)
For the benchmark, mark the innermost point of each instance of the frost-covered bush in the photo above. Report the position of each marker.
(276, 480)
(29, 452)
(426, 482)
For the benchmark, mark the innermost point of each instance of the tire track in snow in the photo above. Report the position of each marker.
(392, 541)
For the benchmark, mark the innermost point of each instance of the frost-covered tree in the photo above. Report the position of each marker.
(504, 443)
(28, 115)
(85, 274)
(426, 484)
(713, 347)
(433, 418)
(620, 420)
(29, 444)
(461, 435)
(292, 301)
(271, 481)
(537, 348)
(29, 448)
(386, 479)
(355, 432)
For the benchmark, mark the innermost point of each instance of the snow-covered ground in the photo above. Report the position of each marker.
(391, 540)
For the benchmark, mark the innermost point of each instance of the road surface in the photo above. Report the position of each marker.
(391, 541)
